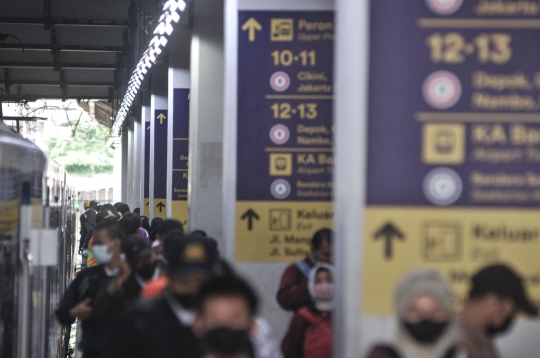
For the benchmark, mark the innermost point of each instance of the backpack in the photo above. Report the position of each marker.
(318, 338)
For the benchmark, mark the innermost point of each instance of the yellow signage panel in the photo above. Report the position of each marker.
(146, 205)
(455, 241)
(180, 212)
(273, 232)
(159, 208)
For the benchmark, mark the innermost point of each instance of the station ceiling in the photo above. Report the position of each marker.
(63, 49)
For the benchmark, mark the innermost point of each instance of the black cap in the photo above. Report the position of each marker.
(136, 248)
(93, 203)
(189, 256)
(501, 280)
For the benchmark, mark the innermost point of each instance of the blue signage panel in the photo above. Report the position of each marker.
(453, 142)
(284, 135)
(180, 143)
(454, 104)
(160, 157)
(285, 91)
(146, 159)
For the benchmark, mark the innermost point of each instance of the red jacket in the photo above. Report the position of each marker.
(293, 289)
(309, 335)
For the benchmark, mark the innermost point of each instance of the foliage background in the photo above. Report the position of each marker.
(82, 152)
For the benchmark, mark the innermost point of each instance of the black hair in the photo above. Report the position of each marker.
(111, 228)
(198, 233)
(107, 207)
(228, 286)
(145, 223)
(320, 236)
(324, 269)
(130, 223)
(137, 211)
(228, 342)
(122, 208)
(169, 225)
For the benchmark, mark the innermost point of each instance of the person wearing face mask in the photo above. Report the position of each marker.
(79, 298)
(293, 288)
(310, 331)
(427, 323)
(496, 295)
(228, 302)
(227, 343)
(139, 267)
(161, 327)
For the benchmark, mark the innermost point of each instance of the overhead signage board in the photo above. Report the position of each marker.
(180, 155)
(160, 162)
(284, 132)
(146, 168)
(453, 179)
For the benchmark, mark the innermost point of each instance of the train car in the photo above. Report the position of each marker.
(37, 246)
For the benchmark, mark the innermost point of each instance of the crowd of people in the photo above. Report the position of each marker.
(150, 289)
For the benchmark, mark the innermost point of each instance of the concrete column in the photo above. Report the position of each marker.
(125, 159)
(137, 169)
(130, 175)
(350, 113)
(206, 119)
(265, 276)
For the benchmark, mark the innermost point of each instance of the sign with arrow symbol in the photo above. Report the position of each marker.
(251, 26)
(388, 233)
(161, 117)
(250, 215)
(160, 206)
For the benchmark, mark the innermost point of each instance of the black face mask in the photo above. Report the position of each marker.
(147, 271)
(186, 301)
(227, 341)
(426, 331)
(493, 331)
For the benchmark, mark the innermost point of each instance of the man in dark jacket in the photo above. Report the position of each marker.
(79, 297)
(293, 289)
(161, 327)
(139, 267)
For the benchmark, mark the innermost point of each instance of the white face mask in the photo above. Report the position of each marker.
(101, 254)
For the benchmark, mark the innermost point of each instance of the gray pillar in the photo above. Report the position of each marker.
(350, 115)
(124, 170)
(206, 118)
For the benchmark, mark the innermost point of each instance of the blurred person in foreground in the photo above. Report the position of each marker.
(293, 290)
(135, 271)
(79, 298)
(310, 330)
(227, 343)
(161, 327)
(229, 303)
(427, 321)
(496, 296)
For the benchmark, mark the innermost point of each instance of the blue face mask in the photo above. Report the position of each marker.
(101, 254)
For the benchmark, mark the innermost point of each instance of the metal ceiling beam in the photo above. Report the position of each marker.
(58, 66)
(58, 83)
(53, 48)
(30, 98)
(65, 22)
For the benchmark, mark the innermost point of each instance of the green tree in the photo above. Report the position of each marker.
(82, 152)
